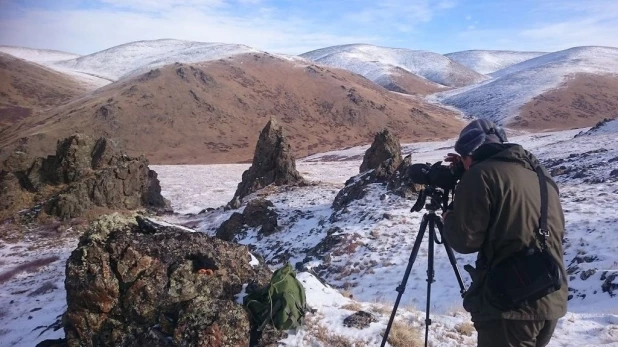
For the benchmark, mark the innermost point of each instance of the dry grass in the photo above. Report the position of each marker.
(329, 338)
(27, 267)
(353, 306)
(347, 293)
(466, 328)
(404, 335)
(381, 309)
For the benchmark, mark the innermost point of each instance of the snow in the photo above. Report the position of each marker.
(501, 98)
(605, 127)
(378, 63)
(370, 271)
(50, 58)
(33, 301)
(486, 62)
(138, 57)
(254, 261)
(40, 56)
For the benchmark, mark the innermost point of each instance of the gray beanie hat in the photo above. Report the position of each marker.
(477, 133)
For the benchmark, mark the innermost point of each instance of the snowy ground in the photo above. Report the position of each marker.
(369, 265)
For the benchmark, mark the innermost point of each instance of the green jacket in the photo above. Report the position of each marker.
(496, 212)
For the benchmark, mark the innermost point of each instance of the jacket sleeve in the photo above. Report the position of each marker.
(465, 226)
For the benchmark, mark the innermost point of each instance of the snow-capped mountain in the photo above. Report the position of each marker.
(40, 56)
(592, 59)
(486, 62)
(377, 63)
(141, 56)
(501, 98)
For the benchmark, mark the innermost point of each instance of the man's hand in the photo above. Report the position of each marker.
(453, 158)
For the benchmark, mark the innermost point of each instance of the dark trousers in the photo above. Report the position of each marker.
(515, 333)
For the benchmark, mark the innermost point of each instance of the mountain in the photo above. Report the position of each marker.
(27, 89)
(379, 64)
(565, 89)
(211, 112)
(487, 62)
(139, 57)
(40, 56)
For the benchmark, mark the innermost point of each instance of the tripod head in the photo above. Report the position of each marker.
(438, 199)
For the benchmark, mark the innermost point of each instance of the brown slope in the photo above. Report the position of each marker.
(403, 81)
(582, 101)
(212, 112)
(27, 88)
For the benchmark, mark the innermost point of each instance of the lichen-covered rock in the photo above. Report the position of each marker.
(84, 174)
(384, 155)
(141, 284)
(359, 320)
(273, 163)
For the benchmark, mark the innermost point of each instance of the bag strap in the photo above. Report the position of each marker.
(543, 231)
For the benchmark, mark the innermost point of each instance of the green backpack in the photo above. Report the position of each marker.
(282, 302)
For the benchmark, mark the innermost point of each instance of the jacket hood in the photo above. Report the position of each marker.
(507, 152)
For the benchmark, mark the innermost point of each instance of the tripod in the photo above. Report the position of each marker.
(432, 220)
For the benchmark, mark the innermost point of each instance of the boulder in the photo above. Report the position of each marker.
(273, 163)
(258, 213)
(384, 155)
(137, 284)
(232, 227)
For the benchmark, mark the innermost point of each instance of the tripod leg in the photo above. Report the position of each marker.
(451, 258)
(402, 287)
(430, 275)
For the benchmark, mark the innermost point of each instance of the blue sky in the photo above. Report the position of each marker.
(297, 26)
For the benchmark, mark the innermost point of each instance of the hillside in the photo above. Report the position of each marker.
(26, 89)
(376, 63)
(211, 112)
(486, 62)
(517, 94)
(583, 100)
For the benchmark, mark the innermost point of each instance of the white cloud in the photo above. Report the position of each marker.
(288, 27)
(87, 31)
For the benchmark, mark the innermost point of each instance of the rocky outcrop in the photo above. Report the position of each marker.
(273, 163)
(384, 155)
(259, 213)
(355, 188)
(400, 183)
(142, 284)
(82, 175)
(382, 164)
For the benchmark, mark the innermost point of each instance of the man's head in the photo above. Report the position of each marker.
(476, 134)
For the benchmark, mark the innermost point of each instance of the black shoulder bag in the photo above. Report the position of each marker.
(529, 274)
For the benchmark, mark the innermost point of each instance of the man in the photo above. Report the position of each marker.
(496, 212)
